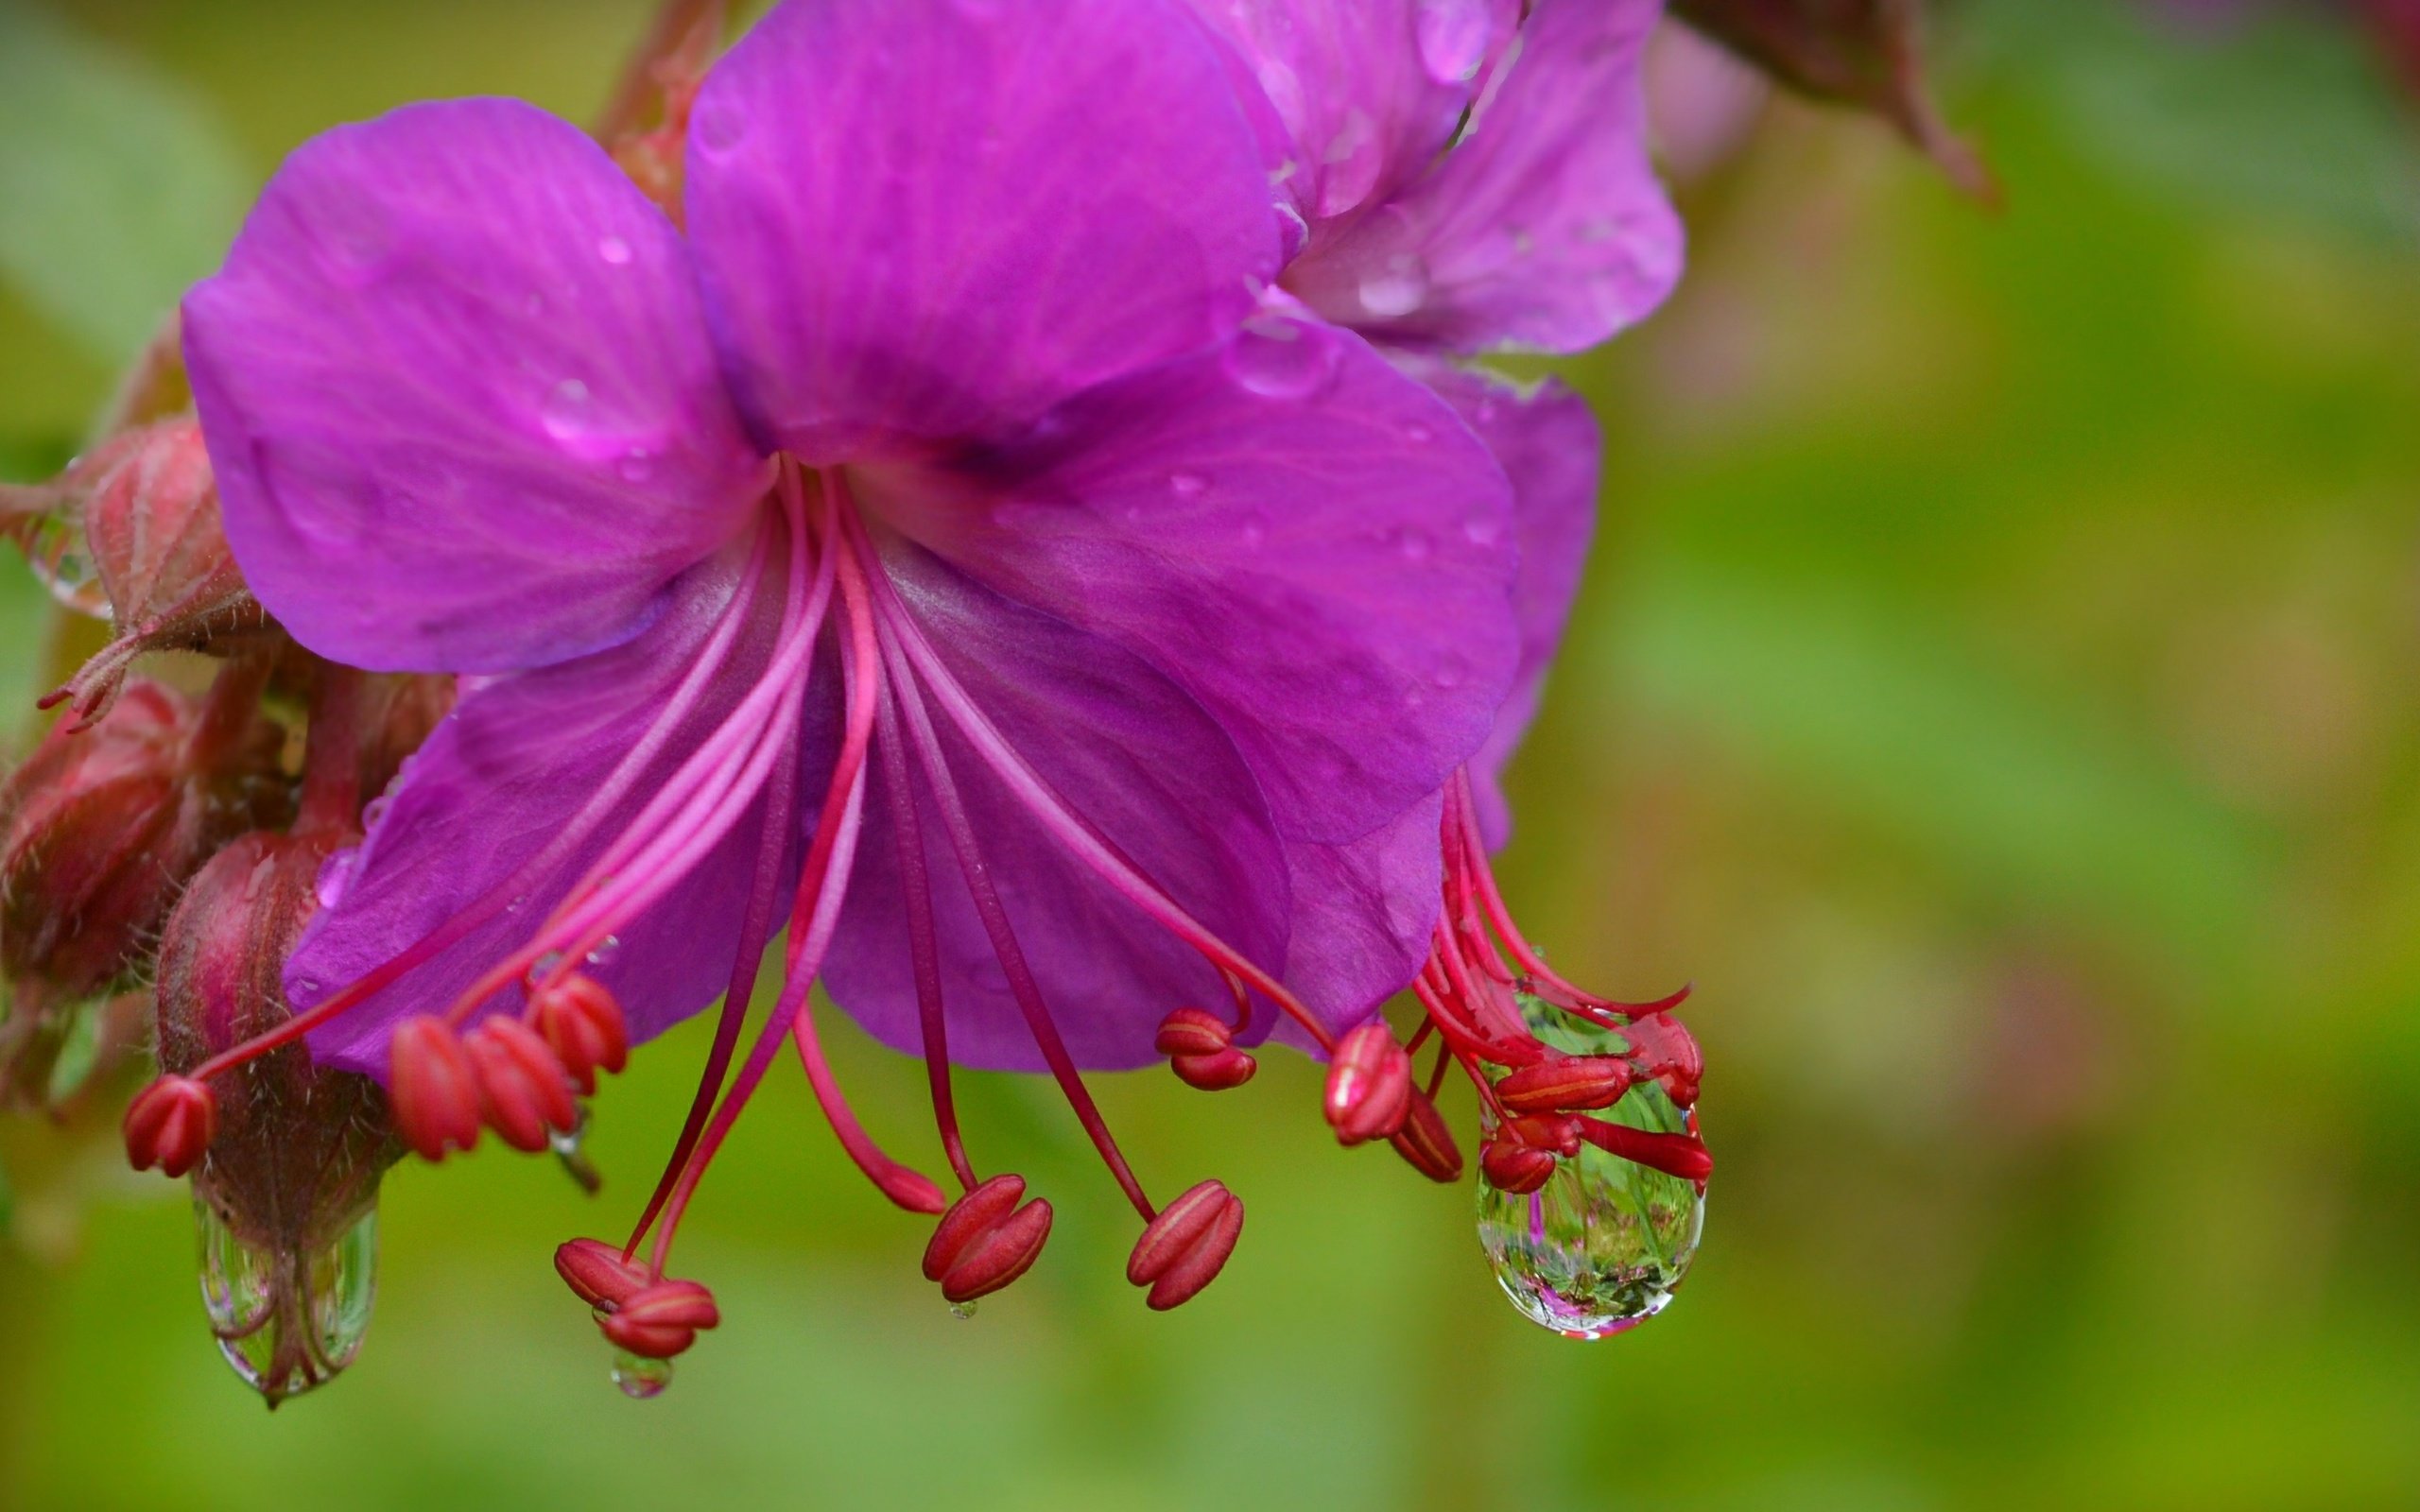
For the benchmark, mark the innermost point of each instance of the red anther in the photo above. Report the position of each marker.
(986, 1241)
(1512, 1166)
(434, 1089)
(1369, 1085)
(578, 1017)
(1681, 1154)
(1564, 1083)
(1558, 1134)
(1660, 1048)
(662, 1319)
(1183, 1249)
(523, 1091)
(170, 1125)
(1426, 1142)
(1193, 1032)
(596, 1272)
(1215, 1074)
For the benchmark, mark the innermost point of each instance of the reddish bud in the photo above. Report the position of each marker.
(1369, 1085)
(596, 1272)
(1182, 1250)
(580, 1019)
(986, 1241)
(100, 828)
(170, 1125)
(1426, 1142)
(523, 1091)
(435, 1086)
(662, 1319)
(1512, 1166)
(1565, 1083)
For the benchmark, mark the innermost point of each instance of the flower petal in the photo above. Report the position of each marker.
(920, 220)
(1362, 917)
(459, 397)
(1304, 540)
(1543, 229)
(1550, 448)
(502, 775)
(1132, 754)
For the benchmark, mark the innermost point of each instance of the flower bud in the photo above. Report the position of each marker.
(287, 1193)
(99, 827)
(1369, 1083)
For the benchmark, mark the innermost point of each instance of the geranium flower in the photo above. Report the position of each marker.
(942, 545)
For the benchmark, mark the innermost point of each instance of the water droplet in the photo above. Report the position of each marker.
(614, 250)
(1278, 358)
(1254, 531)
(1483, 530)
(286, 1321)
(1453, 38)
(640, 1378)
(567, 413)
(571, 1153)
(335, 873)
(1414, 544)
(544, 964)
(1419, 432)
(55, 545)
(1189, 484)
(961, 1311)
(1395, 289)
(1350, 164)
(638, 465)
(605, 949)
(1293, 233)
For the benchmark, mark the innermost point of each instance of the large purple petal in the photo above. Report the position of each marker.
(927, 220)
(1368, 90)
(460, 396)
(502, 775)
(1140, 762)
(1307, 540)
(1362, 917)
(1550, 447)
(1545, 229)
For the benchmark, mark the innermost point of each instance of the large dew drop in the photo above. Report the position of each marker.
(55, 546)
(287, 1320)
(640, 1378)
(1601, 1247)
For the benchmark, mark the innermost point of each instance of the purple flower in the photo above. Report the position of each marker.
(1458, 177)
(948, 544)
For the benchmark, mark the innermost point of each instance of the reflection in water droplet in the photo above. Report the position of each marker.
(639, 1377)
(1278, 358)
(335, 873)
(55, 545)
(961, 1311)
(613, 251)
(287, 1320)
(1395, 289)
(1453, 38)
(1602, 1245)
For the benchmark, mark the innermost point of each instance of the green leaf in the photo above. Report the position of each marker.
(121, 188)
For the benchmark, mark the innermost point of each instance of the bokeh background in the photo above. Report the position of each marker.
(1998, 689)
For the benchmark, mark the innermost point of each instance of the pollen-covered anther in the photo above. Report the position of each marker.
(597, 1273)
(1369, 1085)
(1182, 1250)
(986, 1241)
(170, 1125)
(524, 1090)
(435, 1089)
(1202, 1051)
(662, 1319)
(580, 1019)
(1425, 1142)
(1566, 1084)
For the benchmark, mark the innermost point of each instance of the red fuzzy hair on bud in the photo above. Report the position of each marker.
(1182, 1250)
(435, 1089)
(1564, 1083)
(596, 1272)
(662, 1319)
(581, 1021)
(986, 1241)
(1369, 1085)
(523, 1091)
(1425, 1142)
(170, 1125)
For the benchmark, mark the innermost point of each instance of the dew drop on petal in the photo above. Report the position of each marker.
(719, 127)
(614, 250)
(604, 951)
(567, 413)
(286, 1321)
(1396, 289)
(1483, 530)
(1189, 484)
(1414, 544)
(640, 1378)
(335, 873)
(1254, 531)
(1293, 232)
(638, 465)
(1419, 432)
(1278, 358)
(56, 547)
(1453, 38)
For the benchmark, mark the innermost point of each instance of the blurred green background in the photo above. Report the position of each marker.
(1995, 689)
